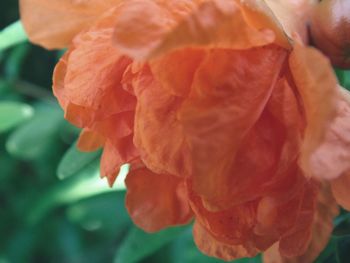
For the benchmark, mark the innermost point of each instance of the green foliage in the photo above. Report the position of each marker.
(74, 160)
(12, 35)
(35, 137)
(145, 244)
(343, 77)
(13, 113)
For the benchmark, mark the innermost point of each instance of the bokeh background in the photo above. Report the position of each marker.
(53, 205)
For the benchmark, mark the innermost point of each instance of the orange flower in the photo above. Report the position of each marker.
(224, 113)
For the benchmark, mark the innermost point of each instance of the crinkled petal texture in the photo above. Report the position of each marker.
(174, 24)
(54, 23)
(155, 201)
(322, 226)
(212, 247)
(222, 118)
(332, 157)
(220, 113)
(318, 89)
(87, 83)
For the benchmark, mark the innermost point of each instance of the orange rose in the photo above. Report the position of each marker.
(223, 112)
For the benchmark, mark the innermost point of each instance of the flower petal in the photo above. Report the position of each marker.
(259, 15)
(142, 23)
(322, 226)
(156, 201)
(116, 154)
(175, 70)
(150, 28)
(278, 211)
(317, 86)
(90, 141)
(332, 157)
(267, 153)
(84, 94)
(158, 133)
(288, 19)
(116, 126)
(227, 98)
(95, 69)
(54, 23)
(232, 226)
(293, 16)
(214, 248)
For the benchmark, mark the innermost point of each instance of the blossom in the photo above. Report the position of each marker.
(227, 117)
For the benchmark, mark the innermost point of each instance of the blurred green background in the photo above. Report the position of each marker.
(53, 205)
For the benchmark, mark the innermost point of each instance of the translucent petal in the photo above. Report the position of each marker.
(54, 23)
(156, 201)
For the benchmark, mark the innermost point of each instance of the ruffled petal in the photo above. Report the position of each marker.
(331, 159)
(298, 238)
(116, 126)
(158, 133)
(95, 69)
(54, 23)
(175, 70)
(252, 172)
(79, 116)
(279, 209)
(231, 226)
(293, 16)
(141, 24)
(90, 141)
(317, 86)
(295, 241)
(214, 248)
(150, 28)
(96, 101)
(322, 226)
(260, 16)
(227, 98)
(156, 201)
(260, 223)
(75, 81)
(114, 155)
(268, 154)
(288, 19)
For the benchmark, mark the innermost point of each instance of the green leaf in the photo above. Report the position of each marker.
(21, 245)
(342, 225)
(31, 140)
(340, 75)
(74, 161)
(343, 78)
(104, 213)
(13, 114)
(13, 64)
(337, 251)
(68, 242)
(8, 168)
(137, 245)
(346, 80)
(87, 183)
(12, 35)
(342, 252)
